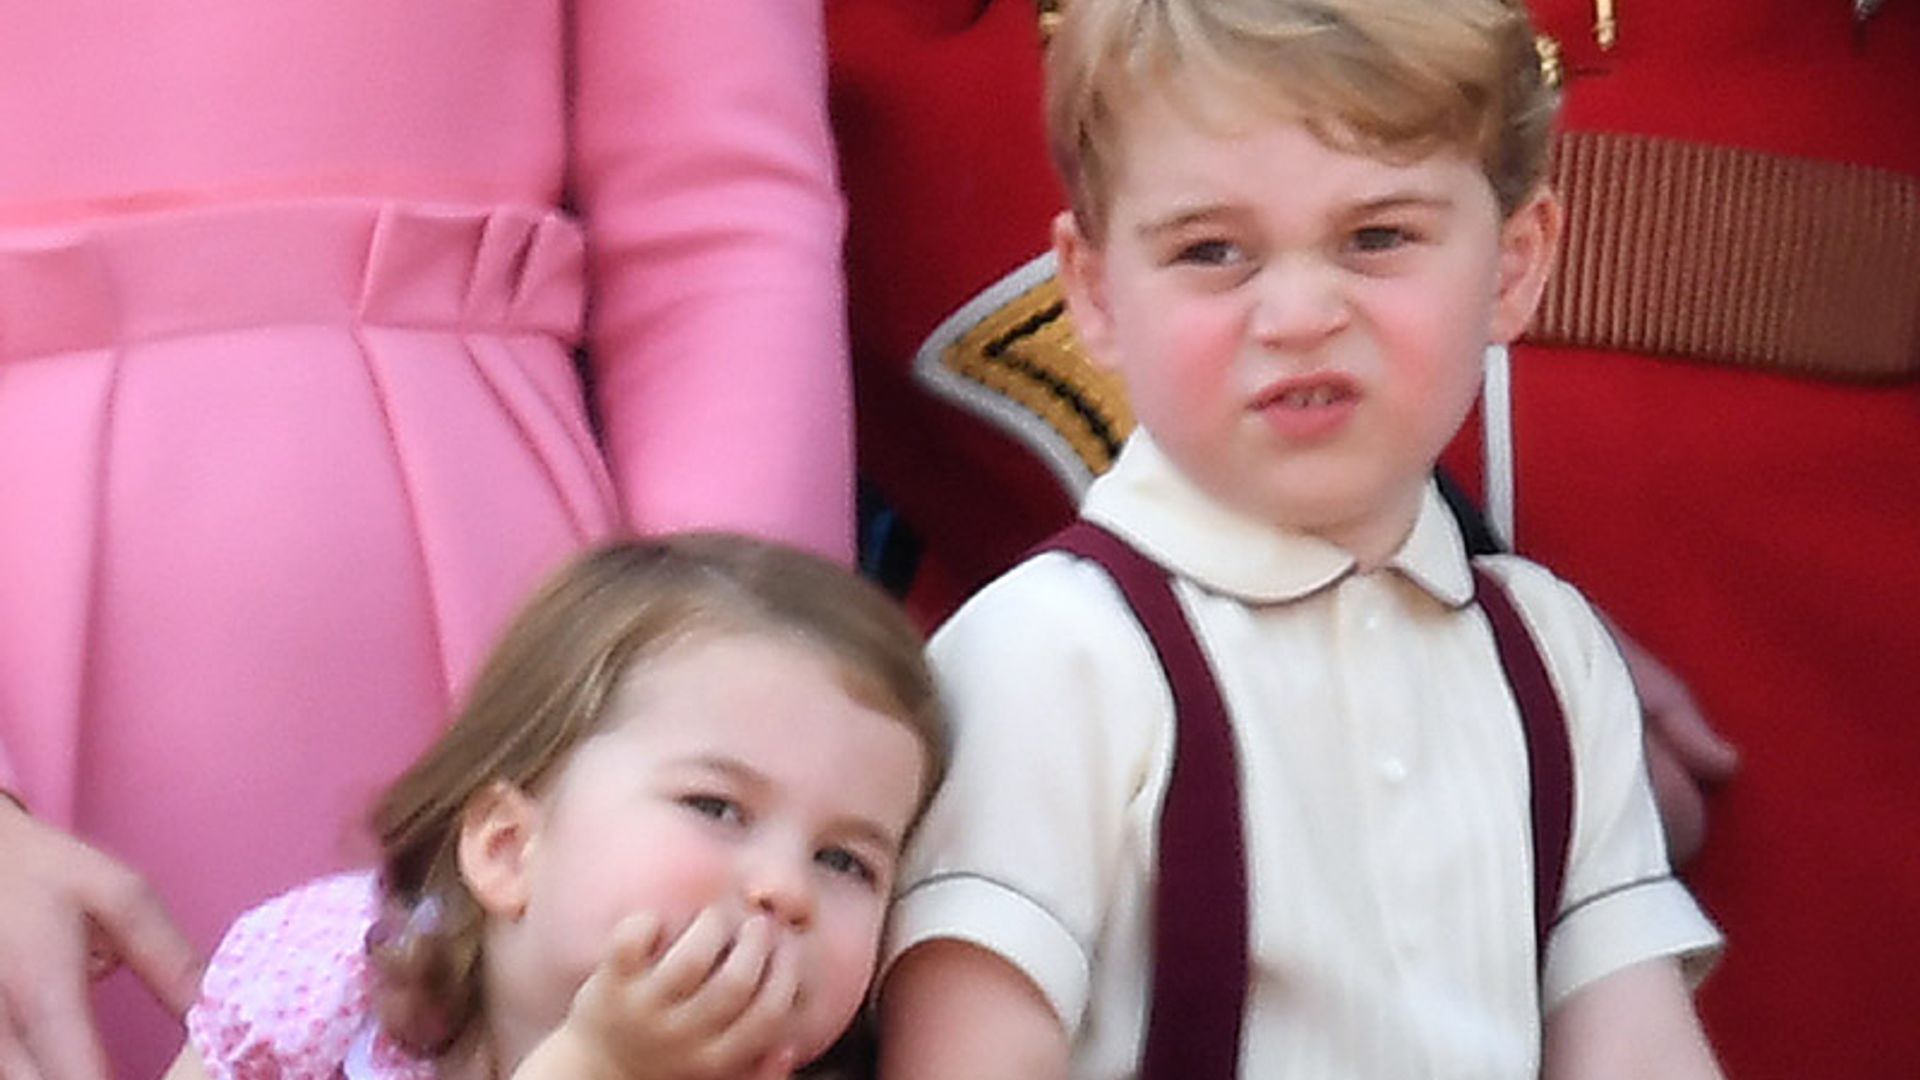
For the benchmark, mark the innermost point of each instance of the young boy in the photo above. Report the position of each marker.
(1295, 226)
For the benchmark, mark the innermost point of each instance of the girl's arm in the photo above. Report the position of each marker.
(1636, 1022)
(704, 169)
(953, 1011)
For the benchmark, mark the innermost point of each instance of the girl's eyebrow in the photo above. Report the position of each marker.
(754, 781)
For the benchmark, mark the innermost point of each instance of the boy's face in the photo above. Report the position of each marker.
(1300, 328)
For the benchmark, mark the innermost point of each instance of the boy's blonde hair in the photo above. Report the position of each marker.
(545, 689)
(1395, 78)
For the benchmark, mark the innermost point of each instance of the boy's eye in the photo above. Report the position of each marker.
(715, 807)
(1208, 253)
(1377, 238)
(841, 861)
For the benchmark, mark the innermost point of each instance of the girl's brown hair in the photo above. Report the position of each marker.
(545, 689)
(1389, 77)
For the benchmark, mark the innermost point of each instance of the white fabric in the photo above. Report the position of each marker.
(1383, 779)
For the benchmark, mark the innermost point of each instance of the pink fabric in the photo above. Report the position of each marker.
(288, 995)
(288, 415)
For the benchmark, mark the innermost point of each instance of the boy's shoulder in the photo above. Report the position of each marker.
(1056, 628)
(1555, 609)
(1056, 599)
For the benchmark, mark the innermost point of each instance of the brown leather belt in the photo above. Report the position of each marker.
(1721, 255)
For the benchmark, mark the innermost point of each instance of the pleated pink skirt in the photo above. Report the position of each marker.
(271, 478)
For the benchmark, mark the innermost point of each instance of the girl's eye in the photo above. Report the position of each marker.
(842, 861)
(715, 807)
(1378, 238)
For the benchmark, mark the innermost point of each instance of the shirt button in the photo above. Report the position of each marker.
(1392, 770)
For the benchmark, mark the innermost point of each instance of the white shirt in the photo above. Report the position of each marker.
(1383, 781)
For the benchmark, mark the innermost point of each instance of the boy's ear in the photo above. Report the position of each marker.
(1529, 245)
(1082, 270)
(498, 829)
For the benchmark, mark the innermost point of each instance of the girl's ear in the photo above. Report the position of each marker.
(498, 830)
(1529, 246)
(1081, 267)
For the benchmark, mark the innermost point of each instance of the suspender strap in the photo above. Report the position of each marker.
(1200, 922)
(1549, 755)
(1200, 927)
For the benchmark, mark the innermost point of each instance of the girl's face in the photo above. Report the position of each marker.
(735, 773)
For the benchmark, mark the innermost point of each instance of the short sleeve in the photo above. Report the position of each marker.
(1058, 711)
(1622, 903)
(287, 993)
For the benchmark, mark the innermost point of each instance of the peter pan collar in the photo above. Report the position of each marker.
(1145, 499)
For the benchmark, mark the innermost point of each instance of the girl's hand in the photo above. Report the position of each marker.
(712, 1007)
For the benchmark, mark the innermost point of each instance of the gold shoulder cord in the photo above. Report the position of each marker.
(1606, 28)
(1049, 17)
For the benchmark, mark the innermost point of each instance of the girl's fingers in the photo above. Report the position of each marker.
(635, 943)
(778, 1065)
(733, 984)
(692, 957)
(759, 1027)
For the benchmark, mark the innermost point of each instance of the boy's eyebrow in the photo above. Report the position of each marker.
(1391, 200)
(1395, 200)
(754, 780)
(1180, 219)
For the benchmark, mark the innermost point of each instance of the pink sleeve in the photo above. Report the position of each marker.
(705, 173)
(286, 995)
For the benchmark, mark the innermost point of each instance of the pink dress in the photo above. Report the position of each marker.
(289, 417)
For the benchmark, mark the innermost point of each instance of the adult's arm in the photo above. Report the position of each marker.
(703, 167)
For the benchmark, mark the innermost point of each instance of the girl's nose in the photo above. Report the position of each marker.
(781, 885)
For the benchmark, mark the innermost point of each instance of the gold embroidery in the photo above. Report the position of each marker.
(1026, 352)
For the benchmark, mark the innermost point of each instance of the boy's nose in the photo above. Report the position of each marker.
(780, 885)
(1298, 303)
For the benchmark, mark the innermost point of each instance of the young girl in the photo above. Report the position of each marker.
(658, 842)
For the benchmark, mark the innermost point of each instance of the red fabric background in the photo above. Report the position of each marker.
(1762, 534)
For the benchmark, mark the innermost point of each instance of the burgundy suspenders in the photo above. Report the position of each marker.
(1549, 755)
(1200, 921)
(1200, 971)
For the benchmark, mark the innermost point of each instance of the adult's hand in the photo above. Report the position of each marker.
(69, 914)
(1686, 757)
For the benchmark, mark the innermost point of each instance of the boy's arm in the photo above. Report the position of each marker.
(1637, 1022)
(953, 1011)
(187, 1066)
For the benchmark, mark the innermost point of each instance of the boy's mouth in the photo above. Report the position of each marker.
(1310, 396)
(1309, 407)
